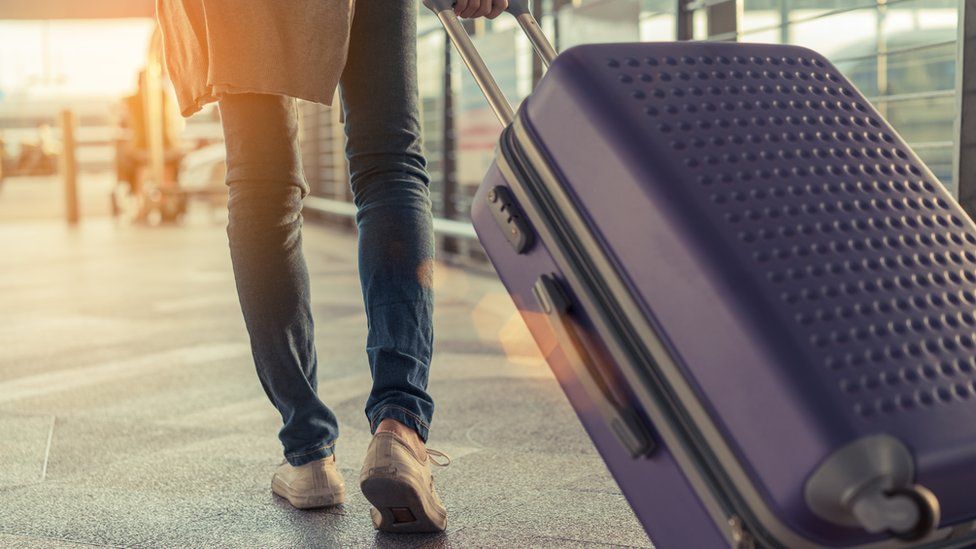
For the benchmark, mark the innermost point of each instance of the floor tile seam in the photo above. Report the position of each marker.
(63, 539)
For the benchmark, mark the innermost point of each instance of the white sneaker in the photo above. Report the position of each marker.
(400, 486)
(315, 484)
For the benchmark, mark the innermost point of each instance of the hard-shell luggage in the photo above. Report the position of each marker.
(759, 301)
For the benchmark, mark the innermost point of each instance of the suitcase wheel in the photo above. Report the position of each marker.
(927, 507)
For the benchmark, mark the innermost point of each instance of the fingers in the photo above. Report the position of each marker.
(485, 8)
(497, 8)
(470, 9)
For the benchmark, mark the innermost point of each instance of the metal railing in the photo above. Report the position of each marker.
(916, 96)
(792, 22)
(458, 228)
(894, 51)
(442, 227)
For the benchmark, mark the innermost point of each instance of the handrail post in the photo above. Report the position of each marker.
(69, 167)
(963, 176)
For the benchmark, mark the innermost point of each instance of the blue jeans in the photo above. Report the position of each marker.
(396, 249)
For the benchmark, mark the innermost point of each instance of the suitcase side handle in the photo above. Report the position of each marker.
(622, 420)
(444, 10)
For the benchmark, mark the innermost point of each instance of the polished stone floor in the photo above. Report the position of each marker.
(130, 415)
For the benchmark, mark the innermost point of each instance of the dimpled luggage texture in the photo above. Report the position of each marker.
(811, 278)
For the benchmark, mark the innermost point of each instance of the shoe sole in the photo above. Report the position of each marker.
(401, 507)
(307, 502)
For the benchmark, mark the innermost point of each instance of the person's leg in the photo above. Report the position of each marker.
(396, 251)
(267, 185)
(390, 186)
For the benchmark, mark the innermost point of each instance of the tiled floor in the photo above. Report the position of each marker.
(130, 414)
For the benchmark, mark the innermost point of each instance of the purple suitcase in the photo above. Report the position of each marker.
(756, 297)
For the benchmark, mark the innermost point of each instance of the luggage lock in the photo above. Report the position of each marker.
(510, 219)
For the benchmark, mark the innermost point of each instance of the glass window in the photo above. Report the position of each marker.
(430, 76)
(476, 128)
(599, 21)
(901, 54)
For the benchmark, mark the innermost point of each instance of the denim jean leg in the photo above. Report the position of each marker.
(265, 233)
(390, 185)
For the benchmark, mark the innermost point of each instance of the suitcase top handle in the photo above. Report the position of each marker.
(444, 10)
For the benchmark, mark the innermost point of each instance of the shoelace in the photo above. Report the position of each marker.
(431, 454)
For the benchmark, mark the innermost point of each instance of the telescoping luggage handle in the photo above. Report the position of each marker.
(623, 421)
(444, 10)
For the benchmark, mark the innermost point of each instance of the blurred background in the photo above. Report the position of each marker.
(94, 69)
(129, 410)
(900, 53)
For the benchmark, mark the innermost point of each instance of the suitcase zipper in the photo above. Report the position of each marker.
(739, 528)
(741, 538)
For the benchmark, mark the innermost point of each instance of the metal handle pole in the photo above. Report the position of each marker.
(476, 64)
(444, 9)
(520, 10)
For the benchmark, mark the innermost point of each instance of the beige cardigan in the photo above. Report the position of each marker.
(285, 47)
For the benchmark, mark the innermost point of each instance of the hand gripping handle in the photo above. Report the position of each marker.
(444, 10)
